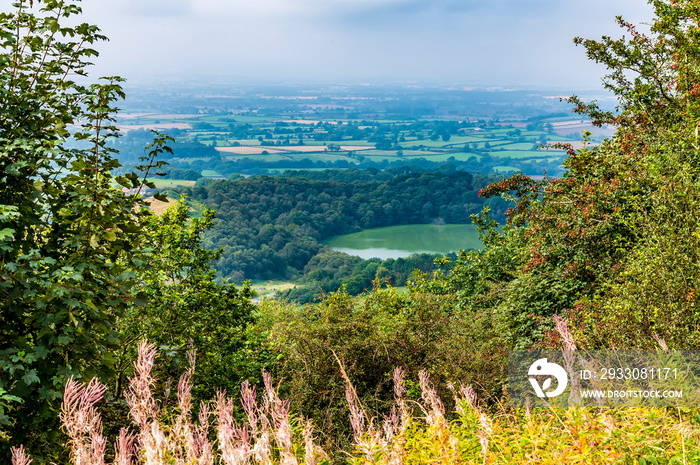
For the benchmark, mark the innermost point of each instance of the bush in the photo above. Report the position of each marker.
(370, 337)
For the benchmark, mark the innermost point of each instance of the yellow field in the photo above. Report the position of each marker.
(158, 207)
(354, 148)
(304, 148)
(321, 148)
(133, 127)
(245, 150)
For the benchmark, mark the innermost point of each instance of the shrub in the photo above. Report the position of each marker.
(369, 337)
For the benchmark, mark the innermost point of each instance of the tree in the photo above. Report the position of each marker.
(651, 291)
(69, 240)
(188, 309)
(615, 238)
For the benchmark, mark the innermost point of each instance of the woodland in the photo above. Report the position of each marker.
(271, 226)
(118, 344)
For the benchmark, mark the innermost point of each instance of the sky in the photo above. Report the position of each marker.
(523, 43)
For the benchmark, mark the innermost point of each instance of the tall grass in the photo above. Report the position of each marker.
(271, 435)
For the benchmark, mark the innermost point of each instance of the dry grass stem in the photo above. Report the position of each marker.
(435, 413)
(659, 340)
(82, 423)
(142, 406)
(569, 358)
(234, 445)
(19, 456)
(279, 411)
(125, 448)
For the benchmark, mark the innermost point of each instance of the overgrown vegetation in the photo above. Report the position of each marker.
(329, 271)
(87, 272)
(416, 432)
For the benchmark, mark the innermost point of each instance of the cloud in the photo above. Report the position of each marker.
(158, 8)
(475, 41)
(399, 10)
(252, 10)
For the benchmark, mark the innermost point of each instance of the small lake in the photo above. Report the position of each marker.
(402, 241)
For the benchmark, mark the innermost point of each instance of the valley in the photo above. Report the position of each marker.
(299, 175)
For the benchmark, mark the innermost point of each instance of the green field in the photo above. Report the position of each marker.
(446, 156)
(505, 169)
(521, 153)
(262, 157)
(517, 146)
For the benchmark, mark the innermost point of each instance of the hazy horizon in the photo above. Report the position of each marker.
(501, 43)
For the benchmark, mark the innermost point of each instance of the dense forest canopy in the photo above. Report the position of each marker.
(270, 227)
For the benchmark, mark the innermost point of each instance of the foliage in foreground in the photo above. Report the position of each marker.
(370, 337)
(270, 435)
(69, 240)
(80, 252)
(188, 309)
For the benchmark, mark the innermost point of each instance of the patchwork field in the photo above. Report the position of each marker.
(304, 148)
(251, 142)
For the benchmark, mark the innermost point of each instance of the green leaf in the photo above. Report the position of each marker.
(6, 234)
(161, 197)
(30, 378)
